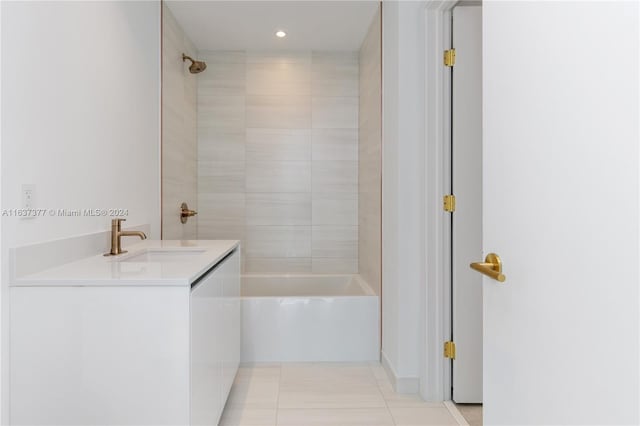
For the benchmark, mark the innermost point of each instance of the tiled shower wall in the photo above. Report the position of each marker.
(278, 158)
(370, 154)
(179, 140)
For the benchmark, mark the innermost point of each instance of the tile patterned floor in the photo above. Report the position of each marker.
(325, 394)
(472, 413)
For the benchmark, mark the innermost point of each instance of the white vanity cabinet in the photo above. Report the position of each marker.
(215, 340)
(121, 353)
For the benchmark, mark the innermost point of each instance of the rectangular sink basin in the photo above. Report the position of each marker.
(163, 255)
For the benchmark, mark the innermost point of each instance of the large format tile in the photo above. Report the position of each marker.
(267, 57)
(330, 397)
(221, 145)
(254, 394)
(335, 241)
(278, 112)
(278, 176)
(258, 372)
(243, 416)
(327, 374)
(221, 176)
(420, 416)
(334, 209)
(222, 112)
(335, 176)
(335, 74)
(335, 145)
(225, 209)
(212, 57)
(334, 417)
(278, 241)
(278, 208)
(321, 265)
(472, 413)
(403, 400)
(279, 77)
(278, 145)
(328, 386)
(335, 112)
(278, 265)
(222, 78)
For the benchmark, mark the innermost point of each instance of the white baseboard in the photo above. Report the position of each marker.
(401, 384)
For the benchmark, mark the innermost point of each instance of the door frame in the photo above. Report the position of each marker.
(435, 376)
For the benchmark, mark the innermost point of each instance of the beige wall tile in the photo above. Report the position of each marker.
(369, 155)
(278, 241)
(221, 78)
(223, 57)
(335, 112)
(278, 176)
(335, 176)
(278, 145)
(335, 74)
(225, 209)
(278, 112)
(297, 57)
(278, 209)
(278, 265)
(220, 176)
(322, 265)
(334, 242)
(334, 209)
(179, 140)
(279, 77)
(266, 172)
(221, 112)
(335, 145)
(221, 145)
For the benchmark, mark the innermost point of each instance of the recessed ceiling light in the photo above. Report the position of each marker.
(281, 34)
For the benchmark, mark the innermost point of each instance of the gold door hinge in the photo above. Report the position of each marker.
(449, 203)
(450, 57)
(450, 350)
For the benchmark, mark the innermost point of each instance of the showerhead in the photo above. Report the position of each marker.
(196, 66)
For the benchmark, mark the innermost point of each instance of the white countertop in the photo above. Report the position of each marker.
(119, 271)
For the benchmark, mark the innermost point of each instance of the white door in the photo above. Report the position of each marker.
(561, 155)
(467, 218)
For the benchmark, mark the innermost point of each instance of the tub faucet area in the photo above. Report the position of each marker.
(117, 233)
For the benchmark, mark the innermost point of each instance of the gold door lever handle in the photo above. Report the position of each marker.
(491, 267)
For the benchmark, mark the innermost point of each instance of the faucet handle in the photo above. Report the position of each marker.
(116, 222)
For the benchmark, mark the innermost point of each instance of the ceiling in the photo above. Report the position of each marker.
(251, 25)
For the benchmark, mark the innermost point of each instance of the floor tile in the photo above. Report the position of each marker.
(378, 371)
(268, 372)
(330, 396)
(233, 416)
(472, 413)
(254, 394)
(394, 399)
(332, 374)
(331, 417)
(421, 416)
(325, 394)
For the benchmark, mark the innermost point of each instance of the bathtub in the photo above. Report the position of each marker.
(305, 318)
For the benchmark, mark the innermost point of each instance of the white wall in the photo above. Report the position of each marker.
(80, 118)
(403, 186)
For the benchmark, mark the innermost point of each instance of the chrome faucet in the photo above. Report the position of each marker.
(117, 232)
